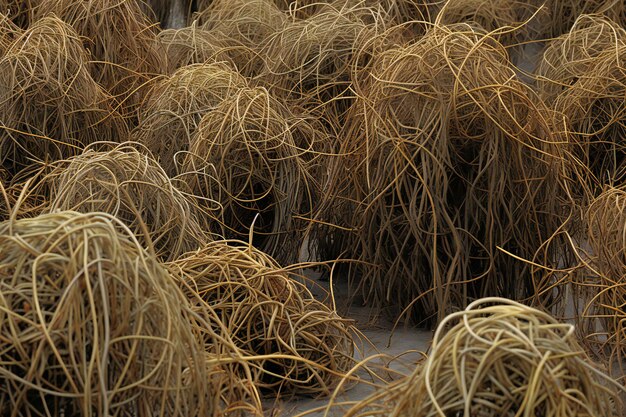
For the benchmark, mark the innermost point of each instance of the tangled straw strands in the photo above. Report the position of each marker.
(91, 325)
(126, 182)
(250, 22)
(310, 61)
(175, 105)
(50, 106)
(500, 358)
(193, 45)
(293, 343)
(246, 156)
(447, 158)
(564, 13)
(122, 41)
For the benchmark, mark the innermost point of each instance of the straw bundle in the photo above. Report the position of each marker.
(91, 325)
(500, 358)
(122, 41)
(19, 11)
(564, 13)
(8, 33)
(246, 156)
(293, 343)
(310, 61)
(447, 158)
(175, 105)
(50, 106)
(193, 45)
(127, 183)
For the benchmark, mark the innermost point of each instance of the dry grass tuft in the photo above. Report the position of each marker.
(500, 358)
(92, 325)
(175, 105)
(50, 106)
(126, 182)
(292, 343)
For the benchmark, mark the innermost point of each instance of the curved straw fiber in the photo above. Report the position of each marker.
(8, 33)
(564, 13)
(310, 61)
(175, 105)
(122, 41)
(500, 358)
(50, 106)
(193, 45)
(91, 325)
(127, 183)
(293, 343)
(249, 22)
(246, 155)
(447, 158)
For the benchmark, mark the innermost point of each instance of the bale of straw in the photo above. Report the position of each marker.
(564, 13)
(447, 157)
(175, 105)
(91, 325)
(293, 343)
(500, 358)
(50, 106)
(126, 182)
(248, 155)
(122, 41)
(194, 45)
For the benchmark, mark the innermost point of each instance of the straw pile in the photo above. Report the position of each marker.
(564, 13)
(50, 106)
(447, 158)
(91, 325)
(582, 76)
(126, 182)
(500, 358)
(246, 155)
(121, 39)
(175, 105)
(293, 343)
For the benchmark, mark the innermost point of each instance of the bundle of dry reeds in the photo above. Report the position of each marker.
(292, 343)
(126, 182)
(447, 158)
(50, 106)
(500, 358)
(91, 325)
(175, 105)
(122, 40)
(248, 154)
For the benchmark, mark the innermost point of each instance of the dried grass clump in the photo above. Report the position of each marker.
(447, 158)
(564, 13)
(91, 325)
(247, 156)
(595, 116)
(574, 54)
(122, 41)
(293, 343)
(500, 358)
(8, 33)
(310, 61)
(20, 12)
(50, 106)
(249, 22)
(126, 182)
(193, 45)
(175, 105)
